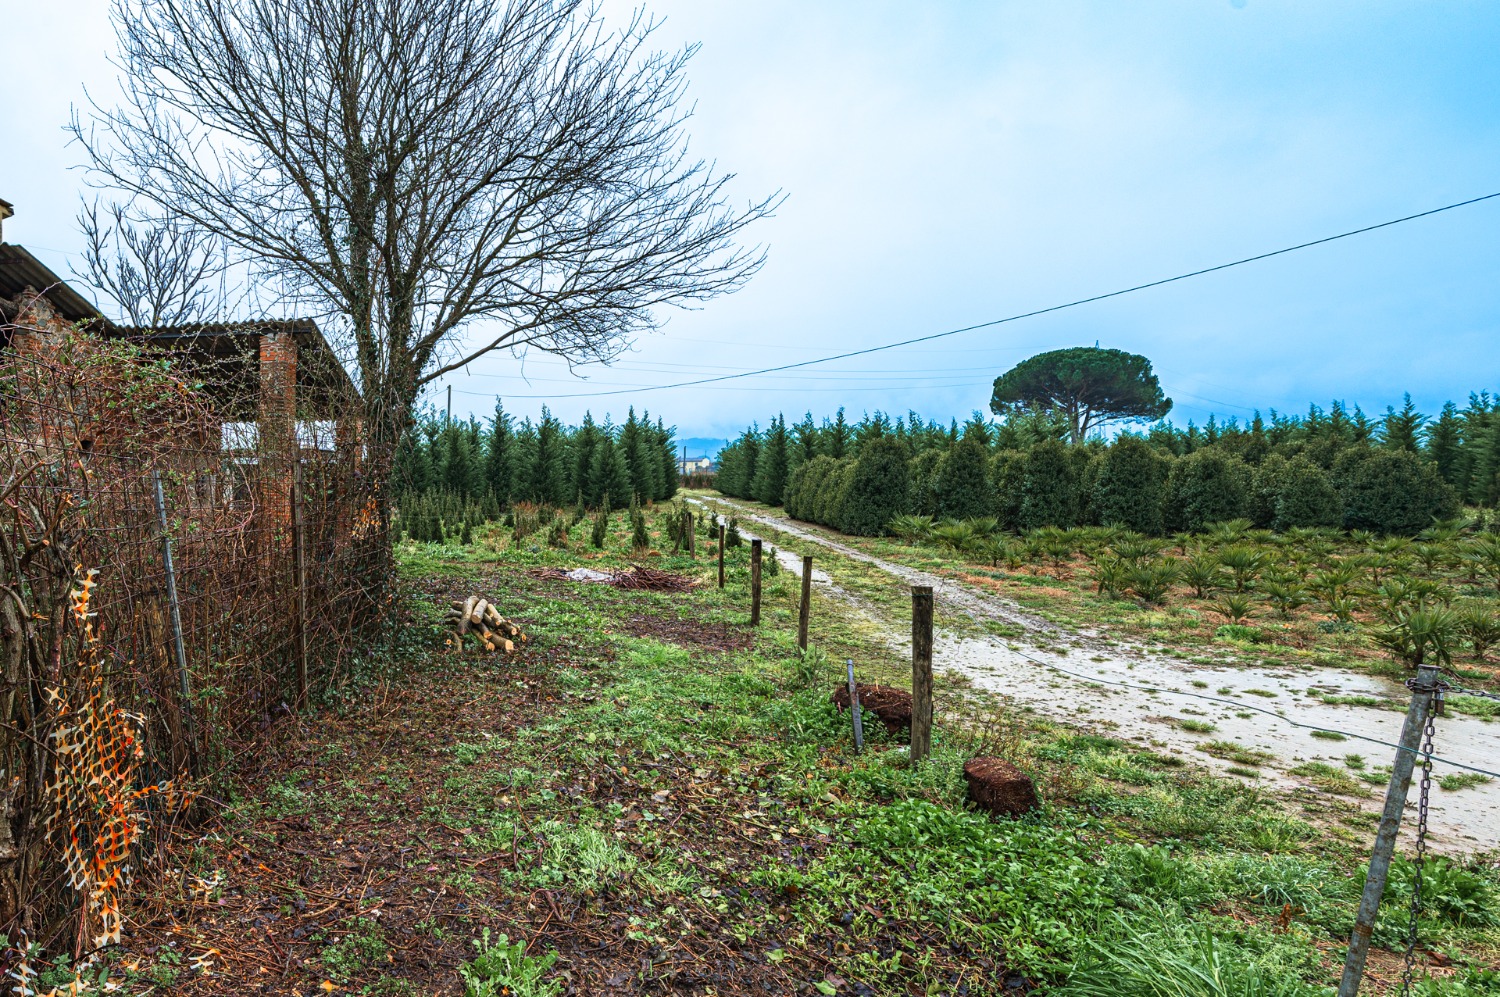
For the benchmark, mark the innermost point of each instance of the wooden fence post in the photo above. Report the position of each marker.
(806, 601)
(755, 554)
(921, 672)
(692, 535)
(721, 555)
(299, 570)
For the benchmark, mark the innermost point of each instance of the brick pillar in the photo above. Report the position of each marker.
(39, 329)
(277, 415)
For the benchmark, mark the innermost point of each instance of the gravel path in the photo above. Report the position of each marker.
(1133, 693)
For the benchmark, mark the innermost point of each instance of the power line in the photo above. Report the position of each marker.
(1031, 314)
(800, 390)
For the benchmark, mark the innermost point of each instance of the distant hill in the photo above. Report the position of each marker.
(701, 446)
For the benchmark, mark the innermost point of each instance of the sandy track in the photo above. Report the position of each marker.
(1247, 704)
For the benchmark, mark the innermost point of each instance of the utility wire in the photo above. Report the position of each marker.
(1030, 314)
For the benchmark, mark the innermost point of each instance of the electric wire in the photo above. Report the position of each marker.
(1034, 313)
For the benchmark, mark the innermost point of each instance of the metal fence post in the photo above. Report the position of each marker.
(180, 650)
(1422, 689)
(859, 724)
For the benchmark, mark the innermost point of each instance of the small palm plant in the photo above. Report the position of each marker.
(1109, 575)
(1285, 595)
(1419, 634)
(953, 534)
(985, 526)
(1432, 555)
(1236, 607)
(912, 529)
(1152, 581)
(1055, 542)
(991, 550)
(1343, 607)
(1201, 571)
(1480, 626)
(1444, 531)
(1244, 563)
(1228, 532)
(1335, 581)
(1137, 548)
(1395, 592)
(1483, 555)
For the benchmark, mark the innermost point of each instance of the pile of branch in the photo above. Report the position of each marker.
(639, 577)
(476, 617)
(636, 577)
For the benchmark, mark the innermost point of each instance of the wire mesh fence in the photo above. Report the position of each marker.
(186, 548)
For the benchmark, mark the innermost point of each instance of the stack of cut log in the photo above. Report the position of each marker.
(476, 617)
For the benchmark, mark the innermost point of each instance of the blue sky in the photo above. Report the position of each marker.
(951, 163)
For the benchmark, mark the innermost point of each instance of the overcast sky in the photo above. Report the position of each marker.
(953, 163)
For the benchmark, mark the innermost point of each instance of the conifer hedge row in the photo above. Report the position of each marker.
(544, 463)
(1319, 472)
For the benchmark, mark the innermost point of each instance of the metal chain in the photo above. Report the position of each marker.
(1462, 691)
(1423, 798)
(1475, 692)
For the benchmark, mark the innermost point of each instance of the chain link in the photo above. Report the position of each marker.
(1462, 691)
(1435, 706)
(1475, 692)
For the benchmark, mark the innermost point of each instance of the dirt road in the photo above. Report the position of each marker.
(1133, 693)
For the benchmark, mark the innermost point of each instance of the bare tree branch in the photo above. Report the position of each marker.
(155, 272)
(409, 167)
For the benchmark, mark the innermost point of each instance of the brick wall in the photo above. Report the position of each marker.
(278, 426)
(39, 327)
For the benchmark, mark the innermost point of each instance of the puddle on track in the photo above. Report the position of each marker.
(1466, 820)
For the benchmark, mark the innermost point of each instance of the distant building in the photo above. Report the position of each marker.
(696, 465)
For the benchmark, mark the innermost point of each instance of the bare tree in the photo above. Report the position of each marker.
(412, 167)
(155, 272)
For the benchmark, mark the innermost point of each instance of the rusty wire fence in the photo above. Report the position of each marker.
(174, 577)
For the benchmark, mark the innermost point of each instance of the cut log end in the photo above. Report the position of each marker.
(891, 705)
(999, 787)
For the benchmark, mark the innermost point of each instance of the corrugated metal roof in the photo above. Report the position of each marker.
(318, 369)
(20, 270)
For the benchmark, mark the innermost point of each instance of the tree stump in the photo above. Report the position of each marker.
(891, 705)
(999, 787)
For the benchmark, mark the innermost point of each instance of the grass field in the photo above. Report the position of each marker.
(664, 800)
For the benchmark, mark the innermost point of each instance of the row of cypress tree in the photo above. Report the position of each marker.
(1330, 468)
(545, 463)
